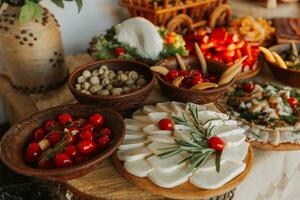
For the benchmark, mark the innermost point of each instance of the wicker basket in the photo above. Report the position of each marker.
(160, 13)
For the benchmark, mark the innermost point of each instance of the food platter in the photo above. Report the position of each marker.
(186, 190)
(247, 75)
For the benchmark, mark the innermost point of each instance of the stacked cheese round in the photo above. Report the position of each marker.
(144, 141)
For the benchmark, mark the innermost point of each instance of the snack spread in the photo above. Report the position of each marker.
(173, 143)
(105, 82)
(270, 113)
(67, 141)
(220, 45)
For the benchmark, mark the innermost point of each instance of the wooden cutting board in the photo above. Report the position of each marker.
(287, 29)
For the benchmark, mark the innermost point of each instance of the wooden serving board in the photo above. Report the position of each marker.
(279, 147)
(186, 190)
(287, 29)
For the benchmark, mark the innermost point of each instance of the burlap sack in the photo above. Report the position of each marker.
(32, 52)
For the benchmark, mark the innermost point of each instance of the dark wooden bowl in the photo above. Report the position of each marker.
(14, 142)
(123, 103)
(186, 95)
(288, 76)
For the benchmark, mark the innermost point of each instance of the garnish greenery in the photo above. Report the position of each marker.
(31, 9)
(196, 146)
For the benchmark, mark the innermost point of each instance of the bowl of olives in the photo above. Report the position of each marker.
(121, 85)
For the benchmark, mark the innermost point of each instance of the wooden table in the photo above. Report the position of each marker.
(275, 175)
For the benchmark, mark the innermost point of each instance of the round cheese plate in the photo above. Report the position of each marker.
(186, 190)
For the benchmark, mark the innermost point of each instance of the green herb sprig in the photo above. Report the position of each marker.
(197, 146)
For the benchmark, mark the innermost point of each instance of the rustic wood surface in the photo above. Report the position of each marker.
(186, 190)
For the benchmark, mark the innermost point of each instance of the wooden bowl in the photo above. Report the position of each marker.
(14, 142)
(288, 76)
(123, 103)
(186, 95)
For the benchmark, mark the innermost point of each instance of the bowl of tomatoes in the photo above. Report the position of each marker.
(62, 143)
(193, 76)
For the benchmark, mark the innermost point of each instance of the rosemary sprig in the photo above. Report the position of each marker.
(196, 146)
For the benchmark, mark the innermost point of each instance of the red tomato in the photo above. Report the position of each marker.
(216, 143)
(86, 147)
(72, 139)
(196, 79)
(38, 135)
(120, 51)
(103, 141)
(71, 151)
(32, 153)
(212, 78)
(166, 124)
(49, 125)
(97, 119)
(105, 131)
(293, 101)
(54, 137)
(248, 87)
(86, 135)
(88, 127)
(65, 119)
(172, 74)
(184, 73)
(62, 160)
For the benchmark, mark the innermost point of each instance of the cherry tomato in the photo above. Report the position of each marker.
(86, 147)
(38, 135)
(293, 101)
(105, 131)
(103, 141)
(172, 74)
(71, 151)
(88, 127)
(248, 87)
(54, 137)
(32, 153)
(49, 125)
(166, 124)
(187, 82)
(196, 79)
(65, 119)
(72, 139)
(97, 119)
(212, 78)
(119, 51)
(62, 160)
(86, 135)
(216, 143)
(48, 164)
(184, 73)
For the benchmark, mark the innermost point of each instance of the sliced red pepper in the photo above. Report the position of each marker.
(247, 51)
(233, 38)
(240, 44)
(238, 54)
(219, 35)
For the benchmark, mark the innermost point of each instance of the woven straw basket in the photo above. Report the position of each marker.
(32, 52)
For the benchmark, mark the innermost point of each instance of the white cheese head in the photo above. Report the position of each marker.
(141, 34)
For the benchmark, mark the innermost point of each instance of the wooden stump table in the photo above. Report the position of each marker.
(275, 175)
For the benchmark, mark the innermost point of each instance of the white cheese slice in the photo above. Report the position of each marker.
(172, 179)
(177, 106)
(133, 154)
(132, 144)
(234, 140)
(155, 117)
(152, 129)
(224, 131)
(134, 125)
(199, 107)
(162, 138)
(220, 122)
(142, 118)
(140, 168)
(149, 109)
(158, 147)
(210, 164)
(213, 114)
(167, 164)
(213, 179)
(235, 154)
(138, 112)
(164, 107)
(130, 135)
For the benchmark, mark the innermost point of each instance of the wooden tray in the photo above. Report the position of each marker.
(279, 147)
(186, 190)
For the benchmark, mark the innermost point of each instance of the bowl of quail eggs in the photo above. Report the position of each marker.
(122, 85)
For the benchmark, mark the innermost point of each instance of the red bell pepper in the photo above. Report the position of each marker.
(219, 35)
